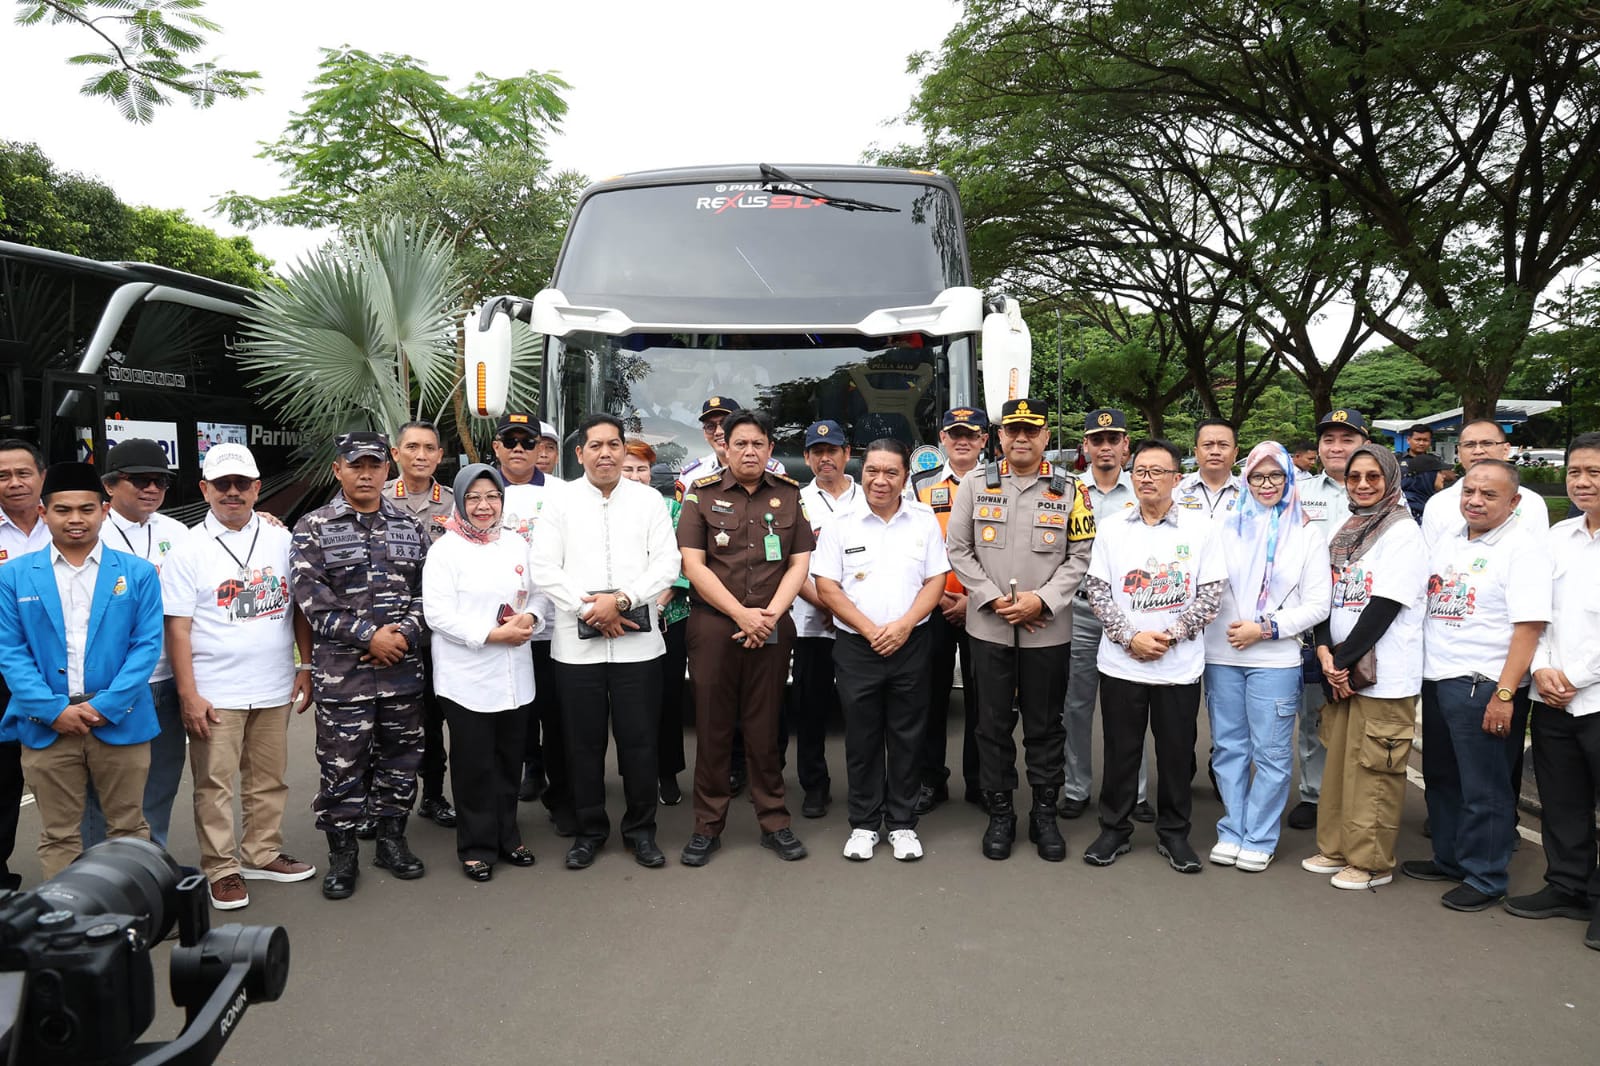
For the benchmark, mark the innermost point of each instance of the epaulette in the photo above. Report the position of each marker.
(785, 478)
(991, 475)
(709, 479)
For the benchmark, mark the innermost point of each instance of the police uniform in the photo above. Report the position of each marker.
(1195, 496)
(707, 465)
(1037, 529)
(354, 573)
(431, 509)
(734, 684)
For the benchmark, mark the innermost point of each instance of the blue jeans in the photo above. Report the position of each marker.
(1471, 808)
(1252, 712)
(168, 752)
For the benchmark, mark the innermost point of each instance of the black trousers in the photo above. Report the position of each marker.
(484, 776)
(1169, 712)
(1566, 761)
(885, 704)
(434, 759)
(1034, 681)
(627, 697)
(946, 641)
(812, 700)
(669, 738)
(546, 750)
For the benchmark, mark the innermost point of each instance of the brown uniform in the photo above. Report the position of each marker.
(731, 683)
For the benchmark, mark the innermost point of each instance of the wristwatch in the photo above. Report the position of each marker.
(1504, 695)
(624, 605)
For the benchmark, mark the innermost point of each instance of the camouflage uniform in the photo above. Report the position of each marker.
(353, 574)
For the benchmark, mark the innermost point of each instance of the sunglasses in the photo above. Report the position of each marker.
(144, 481)
(1358, 477)
(232, 484)
(515, 442)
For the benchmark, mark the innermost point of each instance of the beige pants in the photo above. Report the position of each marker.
(59, 776)
(253, 746)
(1364, 784)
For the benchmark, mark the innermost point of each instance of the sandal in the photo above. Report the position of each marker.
(477, 871)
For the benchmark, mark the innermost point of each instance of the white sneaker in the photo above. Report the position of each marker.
(1253, 861)
(907, 848)
(1224, 854)
(859, 847)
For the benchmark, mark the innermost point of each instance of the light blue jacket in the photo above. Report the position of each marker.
(123, 647)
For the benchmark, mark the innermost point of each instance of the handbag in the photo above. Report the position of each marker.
(639, 616)
(1364, 671)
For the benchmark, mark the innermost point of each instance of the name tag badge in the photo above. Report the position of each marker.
(939, 497)
(721, 507)
(774, 547)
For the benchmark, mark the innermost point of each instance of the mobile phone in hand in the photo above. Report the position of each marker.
(504, 615)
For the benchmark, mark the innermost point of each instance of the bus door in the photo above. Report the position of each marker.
(73, 418)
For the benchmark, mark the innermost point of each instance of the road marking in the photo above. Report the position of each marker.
(1415, 777)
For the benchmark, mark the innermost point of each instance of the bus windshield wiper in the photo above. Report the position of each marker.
(844, 203)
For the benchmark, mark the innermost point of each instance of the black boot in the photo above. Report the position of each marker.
(1002, 827)
(1042, 828)
(394, 854)
(344, 864)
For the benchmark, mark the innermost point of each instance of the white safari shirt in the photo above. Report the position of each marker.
(1571, 642)
(881, 565)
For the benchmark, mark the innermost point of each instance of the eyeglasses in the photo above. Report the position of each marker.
(515, 442)
(1354, 477)
(232, 484)
(144, 481)
(1480, 445)
(472, 498)
(1151, 473)
(1261, 481)
(711, 426)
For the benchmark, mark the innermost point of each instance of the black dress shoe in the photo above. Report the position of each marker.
(816, 804)
(1143, 812)
(1591, 937)
(1467, 898)
(1072, 808)
(1426, 870)
(668, 792)
(646, 853)
(785, 843)
(518, 856)
(1179, 855)
(477, 871)
(1303, 816)
(532, 788)
(699, 849)
(439, 812)
(1106, 847)
(581, 855)
(737, 780)
(1550, 902)
(927, 800)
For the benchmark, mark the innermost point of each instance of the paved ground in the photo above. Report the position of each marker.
(955, 959)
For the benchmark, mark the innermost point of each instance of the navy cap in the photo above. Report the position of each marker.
(1105, 420)
(71, 477)
(1024, 412)
(965, 418)
(718, 405)
(1344, 418)
(517, 420)
(826, 432)
(358, 443)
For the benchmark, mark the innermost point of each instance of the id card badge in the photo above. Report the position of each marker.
(774, 547)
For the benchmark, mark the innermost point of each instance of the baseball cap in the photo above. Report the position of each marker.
(1344, 418)
(137, 455)
(362, 442)
(965, 418)
(524, 422)
(548, 432)
(718, 405)
(1023, 413)
(826, 432)
(227, 460)
(1105, 420)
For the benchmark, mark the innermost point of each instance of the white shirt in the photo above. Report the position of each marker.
(1304, 553)
(1393, 568)
(14, 543)
(1154, 573)
(75, 584)
(881, 566)
(586, 543)
(1325, 501)
(151, 540)
(1571, 642)
(1193, 494)
(1477, 590)
(1441, 515)
(241, 629)
(520, 512)
(819, 507)
(463, 586)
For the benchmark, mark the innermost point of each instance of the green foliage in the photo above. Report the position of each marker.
(1390, 383)
(68, 212)
(147, 52)
(363, 331)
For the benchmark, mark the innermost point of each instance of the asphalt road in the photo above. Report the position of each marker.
(955, 959)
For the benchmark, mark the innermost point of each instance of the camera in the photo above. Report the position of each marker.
(77, 987)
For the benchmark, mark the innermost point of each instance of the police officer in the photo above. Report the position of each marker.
(416, 454)
(1019, 538)
(357, 578)
(746, 550)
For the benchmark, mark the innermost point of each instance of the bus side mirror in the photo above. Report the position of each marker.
(488, 359)
(1007, 356)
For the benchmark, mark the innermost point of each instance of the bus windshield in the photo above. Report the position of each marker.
(752, 253)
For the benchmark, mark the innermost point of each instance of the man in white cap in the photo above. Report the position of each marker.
(547, 451)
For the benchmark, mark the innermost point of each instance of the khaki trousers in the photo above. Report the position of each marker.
(59, 776)
(252, 745)
(1364, 784)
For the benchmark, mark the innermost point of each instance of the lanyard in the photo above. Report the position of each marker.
(149, 539)
(244, 567)
(1211, 505)
(825, 494)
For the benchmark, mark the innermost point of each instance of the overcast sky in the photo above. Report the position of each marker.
(654, 84)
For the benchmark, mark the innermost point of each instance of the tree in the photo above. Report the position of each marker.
(372, 322)
(146, 50)
(1391, 383)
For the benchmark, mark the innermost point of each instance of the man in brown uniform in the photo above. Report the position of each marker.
(746, 552)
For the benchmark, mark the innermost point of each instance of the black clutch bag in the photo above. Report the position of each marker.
(639, 616)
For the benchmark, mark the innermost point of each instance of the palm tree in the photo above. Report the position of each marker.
(361, 335)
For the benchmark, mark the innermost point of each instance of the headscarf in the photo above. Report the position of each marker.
(1366, 524)
(1259, 533)
(458, 522)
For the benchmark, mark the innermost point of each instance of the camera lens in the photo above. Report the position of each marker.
(197, 969)
(122, 876)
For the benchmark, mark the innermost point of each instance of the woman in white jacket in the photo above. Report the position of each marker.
(1279, 586)
(476, 593)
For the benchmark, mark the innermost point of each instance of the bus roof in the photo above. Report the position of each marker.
(126, 272)
(808, 172)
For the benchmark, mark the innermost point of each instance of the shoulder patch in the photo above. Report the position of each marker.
(709, 479)
(785, 478)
